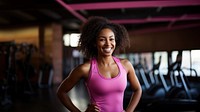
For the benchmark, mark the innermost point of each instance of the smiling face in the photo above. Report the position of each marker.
(106, 42)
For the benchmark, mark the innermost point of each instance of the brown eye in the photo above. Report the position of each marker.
(101, 39)
(112, 39)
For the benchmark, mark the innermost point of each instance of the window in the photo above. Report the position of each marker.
(195, 60)
(146, 60)
(164, 61)
(185, 64)
(190, 62)
(71, 39)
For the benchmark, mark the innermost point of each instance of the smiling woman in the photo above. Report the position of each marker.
(106, 42)
(90, 33)
(105, 75)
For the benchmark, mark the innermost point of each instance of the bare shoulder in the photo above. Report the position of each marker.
(83, 69)
(126, 63)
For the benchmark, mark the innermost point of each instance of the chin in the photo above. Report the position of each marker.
(110, 54)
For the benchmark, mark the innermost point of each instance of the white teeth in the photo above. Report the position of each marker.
(107, 49)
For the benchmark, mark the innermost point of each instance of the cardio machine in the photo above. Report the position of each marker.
(179, 87)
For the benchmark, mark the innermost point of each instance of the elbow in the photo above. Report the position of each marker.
(138, 91)
(59, 93)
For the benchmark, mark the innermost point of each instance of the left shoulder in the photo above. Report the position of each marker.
(126, 63)
(128, 66)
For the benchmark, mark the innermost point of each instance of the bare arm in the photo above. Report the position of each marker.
(67, 84)
(135, 85)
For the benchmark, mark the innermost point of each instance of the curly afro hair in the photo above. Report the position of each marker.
(90, 31)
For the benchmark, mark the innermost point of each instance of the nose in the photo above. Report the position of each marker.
(107, 42)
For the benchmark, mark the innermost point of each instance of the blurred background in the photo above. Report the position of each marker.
(38, 48)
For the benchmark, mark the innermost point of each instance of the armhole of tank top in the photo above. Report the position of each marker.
(119, 63)
(88, 80)
(90, 71)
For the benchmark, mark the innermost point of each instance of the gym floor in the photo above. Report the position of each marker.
(45, 100)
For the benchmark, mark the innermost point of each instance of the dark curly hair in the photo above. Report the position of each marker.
(90, 31)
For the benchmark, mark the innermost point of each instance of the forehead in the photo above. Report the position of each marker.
(106, 31)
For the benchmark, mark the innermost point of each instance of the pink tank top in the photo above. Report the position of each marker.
(107, 93)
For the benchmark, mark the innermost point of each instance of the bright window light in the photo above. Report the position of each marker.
(164, 61)
(66, 39)
(71, 39)
(74, 38)
(196, 61)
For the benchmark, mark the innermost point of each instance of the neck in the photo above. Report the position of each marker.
(105, 60)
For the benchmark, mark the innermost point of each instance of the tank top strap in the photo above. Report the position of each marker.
(93, 65)
(116, 59)
(93, 69)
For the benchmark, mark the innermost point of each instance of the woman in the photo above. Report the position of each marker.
(105, 75)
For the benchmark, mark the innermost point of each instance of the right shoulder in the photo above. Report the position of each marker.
(83, 69)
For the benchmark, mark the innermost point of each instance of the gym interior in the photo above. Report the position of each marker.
(38, 49)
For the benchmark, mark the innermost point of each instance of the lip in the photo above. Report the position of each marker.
(107, 49)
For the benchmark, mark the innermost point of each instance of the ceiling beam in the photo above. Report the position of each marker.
(51, 14)
(71, 10)
(161, 29)
(158, 19)
(23, 15)
(138, 4)
(134, 4)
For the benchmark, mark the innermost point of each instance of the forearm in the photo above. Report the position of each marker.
(134, 101)
(66, 101)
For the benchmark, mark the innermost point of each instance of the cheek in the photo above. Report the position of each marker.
(100, 43)
(114, 43)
